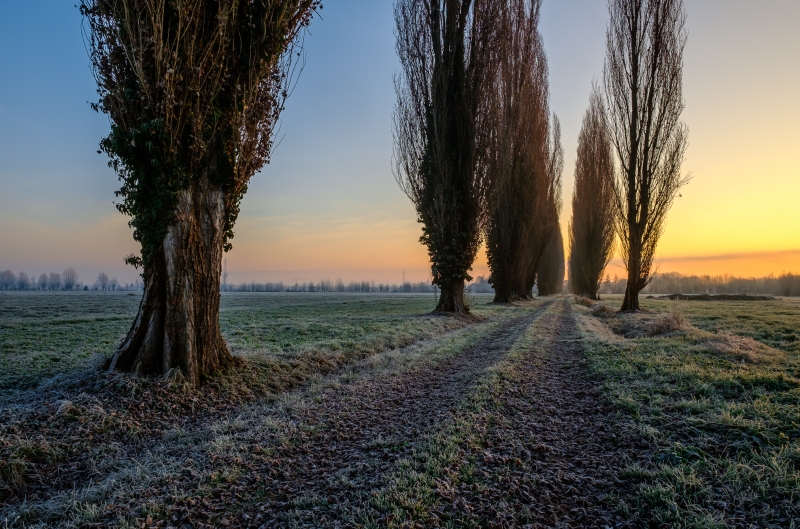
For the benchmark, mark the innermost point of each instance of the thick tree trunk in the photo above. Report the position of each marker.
(452, 299)
(631, 300)
(503, 291)
(178, 321)
(592, 294)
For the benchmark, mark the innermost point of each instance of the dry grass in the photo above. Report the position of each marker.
(667, 322)
(603, 311)
(714, 407)
(586, 302)
(742, 348)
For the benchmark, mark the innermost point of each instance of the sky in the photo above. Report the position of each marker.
(327, 205)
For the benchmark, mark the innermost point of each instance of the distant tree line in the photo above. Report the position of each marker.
(326, 285)
(66, 281)
(785, 284)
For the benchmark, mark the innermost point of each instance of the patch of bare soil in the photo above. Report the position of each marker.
(549, 457)
(716, 297)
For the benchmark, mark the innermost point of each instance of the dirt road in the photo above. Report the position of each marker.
(495, 425)
(523, 434)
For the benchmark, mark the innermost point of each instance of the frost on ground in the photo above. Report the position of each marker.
(532, 415)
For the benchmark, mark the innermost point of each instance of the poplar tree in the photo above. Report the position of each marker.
(591, 230)
(441, 127)
(193, 90)
(643, 81)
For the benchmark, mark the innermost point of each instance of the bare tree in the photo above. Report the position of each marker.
(102, 281)
(550, 276)
(591, 231)
(787, 282)
(440, 130)
(193, 90)
(522, 193)
(7, 280)
(54, 281)
(547, 216)
(22, 281)
(643, 78)
(70, 278)
(42, 283)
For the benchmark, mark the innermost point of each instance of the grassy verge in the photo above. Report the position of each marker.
(716, 427)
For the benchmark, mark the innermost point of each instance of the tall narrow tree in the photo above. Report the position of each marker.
(518, 152)
(550, 275)
(643, 78)
(548, 211)
(440, 130)
(591, 231)
(193, 90)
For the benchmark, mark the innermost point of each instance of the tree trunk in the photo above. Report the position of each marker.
(452, 298)
(178, 321)
(631, 300)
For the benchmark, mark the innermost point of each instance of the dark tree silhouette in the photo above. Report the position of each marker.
(441, 129)
(518, 154)
(70, 278)
(591, 231)
(550, 276)
(548, 216)
(643, 87)
(787, 282)
(193, 90)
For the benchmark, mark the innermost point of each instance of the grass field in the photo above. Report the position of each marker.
(46, 333)
(716, 416)
(417, 418)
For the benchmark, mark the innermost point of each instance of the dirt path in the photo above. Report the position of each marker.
(548, 458)
(537, 455)
(500, 430)
(349, 441)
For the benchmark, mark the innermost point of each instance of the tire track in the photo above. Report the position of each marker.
(346, 445)
(548, 458)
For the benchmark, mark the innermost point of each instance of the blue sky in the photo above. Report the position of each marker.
(327, 205)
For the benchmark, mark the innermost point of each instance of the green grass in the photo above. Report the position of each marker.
(774, 323)
(719, 437)
(43, 334)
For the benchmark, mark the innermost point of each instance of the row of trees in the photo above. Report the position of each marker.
(476, 148)
(631, 147)
(326, 285)
(67, 280)
(194, 89)
(785, 284)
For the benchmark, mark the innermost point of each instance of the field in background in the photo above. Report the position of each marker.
(43, 334)
(712, 404)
